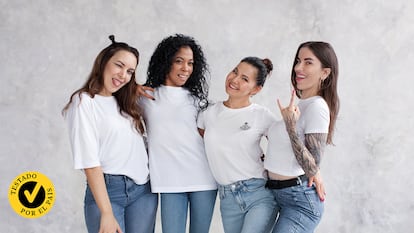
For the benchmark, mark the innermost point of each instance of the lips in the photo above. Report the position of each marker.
(181, 76)
(231, 86)
(300, 77)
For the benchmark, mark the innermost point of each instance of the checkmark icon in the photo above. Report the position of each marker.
(31, 196)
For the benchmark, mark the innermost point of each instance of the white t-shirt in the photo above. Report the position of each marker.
(176, 150)
(314, 118)
(232, 139)
(101, 136)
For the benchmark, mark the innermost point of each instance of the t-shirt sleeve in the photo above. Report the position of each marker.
(83, 133)
(317, 118)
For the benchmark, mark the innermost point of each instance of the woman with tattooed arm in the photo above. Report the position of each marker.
(296, 144)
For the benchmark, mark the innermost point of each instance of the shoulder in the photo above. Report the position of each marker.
(318, 104)
(82, 99)
(262, 110)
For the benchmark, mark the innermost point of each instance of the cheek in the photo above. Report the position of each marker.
(128, 79)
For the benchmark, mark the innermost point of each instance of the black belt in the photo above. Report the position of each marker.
(280, 184)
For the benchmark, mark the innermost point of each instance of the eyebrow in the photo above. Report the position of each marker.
(183, 58)
(308, 59)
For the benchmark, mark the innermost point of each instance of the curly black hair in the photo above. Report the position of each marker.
(162, 60)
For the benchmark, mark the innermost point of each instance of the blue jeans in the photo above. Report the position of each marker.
(299, 207)
(174, 208)
(247, 206)
(134, 206)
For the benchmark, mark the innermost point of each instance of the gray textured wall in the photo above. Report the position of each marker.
(47, 49)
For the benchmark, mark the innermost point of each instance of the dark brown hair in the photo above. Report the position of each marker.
(328, 89)
(126, 97)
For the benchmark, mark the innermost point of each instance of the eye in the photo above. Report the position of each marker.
(244, 78)
(190, 63)
(119, 65)
(130, 72)
(234, 71)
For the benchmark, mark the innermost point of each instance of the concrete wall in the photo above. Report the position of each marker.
(47, 49)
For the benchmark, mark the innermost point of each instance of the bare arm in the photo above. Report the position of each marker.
(97, 185)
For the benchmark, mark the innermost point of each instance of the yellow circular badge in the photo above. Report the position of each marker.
(31, 194)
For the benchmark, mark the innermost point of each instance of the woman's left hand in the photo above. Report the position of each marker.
(320, 188)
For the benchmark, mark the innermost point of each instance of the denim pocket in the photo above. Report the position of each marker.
(315, 204)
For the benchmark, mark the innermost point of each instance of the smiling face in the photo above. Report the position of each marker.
(118, 72)
(181, 67)
(241, 81)
(309, 73)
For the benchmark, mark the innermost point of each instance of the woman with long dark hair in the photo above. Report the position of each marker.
(105, 131)
(297, 143)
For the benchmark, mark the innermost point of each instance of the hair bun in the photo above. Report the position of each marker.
(269, 65)
(112, 38)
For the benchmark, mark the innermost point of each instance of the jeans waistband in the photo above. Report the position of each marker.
(242, 184)
(109, 177)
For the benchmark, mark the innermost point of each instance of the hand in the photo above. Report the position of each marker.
(109, 224)
(320, 189)
(290, 113)
(141, 90)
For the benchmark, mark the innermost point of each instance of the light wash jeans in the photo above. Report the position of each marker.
(300, 209)
(134, 206)
(174, 208)
(247, 207)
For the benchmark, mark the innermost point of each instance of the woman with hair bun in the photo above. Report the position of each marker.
(105, 131)
(232, 131)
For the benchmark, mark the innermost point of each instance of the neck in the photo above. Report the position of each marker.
(237, 103)
(308, 93)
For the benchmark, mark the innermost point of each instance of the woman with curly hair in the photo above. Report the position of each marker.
(178, 165)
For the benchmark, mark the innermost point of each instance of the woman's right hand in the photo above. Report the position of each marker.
(109, 224)
(141, 90)
(290, 113)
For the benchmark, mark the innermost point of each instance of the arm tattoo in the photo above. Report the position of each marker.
(309, 154)
(316, 143)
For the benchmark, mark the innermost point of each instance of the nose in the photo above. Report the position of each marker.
(235, 79)
(123, 73)
(298, 67)
(186, 67)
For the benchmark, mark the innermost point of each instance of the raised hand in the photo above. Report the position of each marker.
(290, 113)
